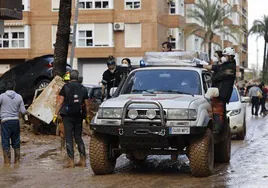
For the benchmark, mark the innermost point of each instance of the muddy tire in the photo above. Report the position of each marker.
(241, 136)
(201, 155)
(100, 156)
(223, 148)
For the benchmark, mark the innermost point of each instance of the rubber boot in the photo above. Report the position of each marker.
(17, 156)
(70, 163)
(82, 162)
(7, 157)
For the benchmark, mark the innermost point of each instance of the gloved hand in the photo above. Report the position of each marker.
(87, 120)
(55, 118)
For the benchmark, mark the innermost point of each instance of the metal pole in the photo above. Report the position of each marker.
(74, 32)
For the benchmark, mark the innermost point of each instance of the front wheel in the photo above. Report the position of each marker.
(100, 155)
(201, 155)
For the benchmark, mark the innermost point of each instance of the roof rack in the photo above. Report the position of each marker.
(186, 58)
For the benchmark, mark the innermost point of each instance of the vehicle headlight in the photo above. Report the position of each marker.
(182, 114)
(235, 112)
(133, 114)
(151, 113)
(114, 113)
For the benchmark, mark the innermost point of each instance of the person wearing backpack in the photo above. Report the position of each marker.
(72, 97)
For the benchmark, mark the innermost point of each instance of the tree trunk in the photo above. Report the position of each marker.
(209, 47)
(264, 62)
(63, 37)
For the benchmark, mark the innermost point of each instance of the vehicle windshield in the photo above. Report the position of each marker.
(163, 81)
(234, 97)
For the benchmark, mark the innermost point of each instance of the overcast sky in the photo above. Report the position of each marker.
(256, 8)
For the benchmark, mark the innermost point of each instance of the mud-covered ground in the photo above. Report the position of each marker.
(42, 160)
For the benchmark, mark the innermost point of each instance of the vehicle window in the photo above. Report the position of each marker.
(163, 81)
(234, 97)
(96, 93)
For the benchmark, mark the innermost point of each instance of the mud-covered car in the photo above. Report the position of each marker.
(162, 110)
(33, 74)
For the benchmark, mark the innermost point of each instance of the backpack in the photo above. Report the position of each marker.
(74, 101)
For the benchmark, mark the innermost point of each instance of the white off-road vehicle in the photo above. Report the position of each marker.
(160, 110)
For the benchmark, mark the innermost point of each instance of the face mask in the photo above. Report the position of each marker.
(223, 59)
(214, 59)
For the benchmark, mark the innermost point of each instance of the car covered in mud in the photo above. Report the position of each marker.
(160, 110)
(33, 74)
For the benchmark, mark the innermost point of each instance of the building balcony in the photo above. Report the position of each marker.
(11, 10)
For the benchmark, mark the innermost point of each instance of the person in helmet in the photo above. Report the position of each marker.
(223, 78)
(66, 76)
(110, 78)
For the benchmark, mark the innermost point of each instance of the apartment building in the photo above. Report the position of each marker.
(122, 28)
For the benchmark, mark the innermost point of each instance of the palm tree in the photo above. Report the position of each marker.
(211, 17)
(62, 39)
(260, 28)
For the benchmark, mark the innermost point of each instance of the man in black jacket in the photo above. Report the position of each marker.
(223, 78)
(70, 103)
(110, 78)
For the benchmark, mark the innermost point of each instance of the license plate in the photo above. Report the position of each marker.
(179, 130)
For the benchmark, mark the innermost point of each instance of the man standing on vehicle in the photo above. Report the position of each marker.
(110, 78)
(11, 104)
(70, 103)
(223, 78)
(166, 47)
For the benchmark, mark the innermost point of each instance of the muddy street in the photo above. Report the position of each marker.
(42, 160)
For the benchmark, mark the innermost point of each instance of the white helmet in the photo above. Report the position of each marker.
(228, 51)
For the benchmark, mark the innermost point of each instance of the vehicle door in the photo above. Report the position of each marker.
(22, 77)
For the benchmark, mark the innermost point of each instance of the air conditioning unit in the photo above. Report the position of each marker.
(170, 33)
(119, 26)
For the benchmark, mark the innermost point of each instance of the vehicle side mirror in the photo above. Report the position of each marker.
(112, 91)
(245, 99)
(212, 92)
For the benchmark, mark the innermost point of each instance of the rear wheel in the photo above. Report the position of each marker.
(201, 155)
(100, 154)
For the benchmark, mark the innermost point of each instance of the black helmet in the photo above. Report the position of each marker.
(110, 62)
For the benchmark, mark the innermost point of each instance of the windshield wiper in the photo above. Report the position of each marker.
(179, 92)
(142, 90)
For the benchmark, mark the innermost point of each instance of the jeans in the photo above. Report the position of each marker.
(255, 105)
(73, 127)
(262, 103)
(10, 130)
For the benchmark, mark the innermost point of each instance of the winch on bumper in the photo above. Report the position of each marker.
(146, 132)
